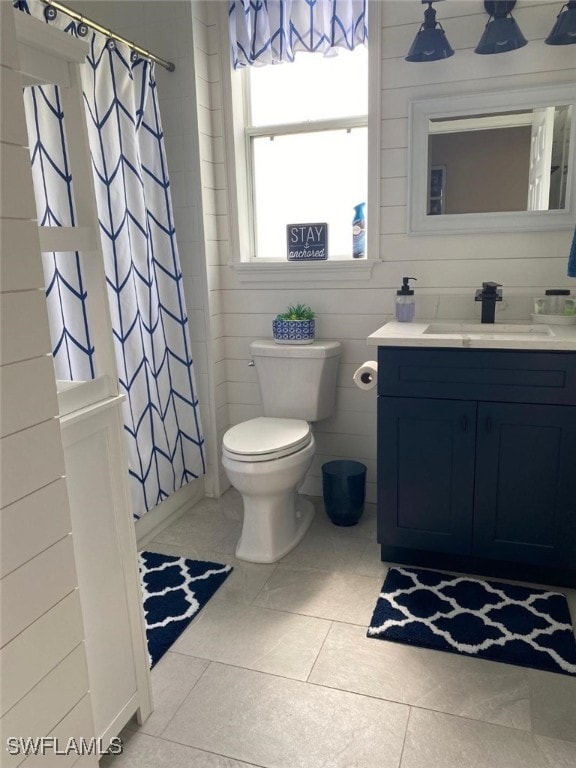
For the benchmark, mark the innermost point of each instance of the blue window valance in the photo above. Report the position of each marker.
(271, 31)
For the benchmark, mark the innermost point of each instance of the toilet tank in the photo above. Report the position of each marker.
(297, 381)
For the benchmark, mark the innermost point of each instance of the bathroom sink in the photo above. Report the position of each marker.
(488, 330)
(470, 334)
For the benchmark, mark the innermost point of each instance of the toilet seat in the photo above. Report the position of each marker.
(265, 439)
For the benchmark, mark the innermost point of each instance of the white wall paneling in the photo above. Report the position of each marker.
(16, 202)
(13, 123)
(97, 480)
(76, 723)
(26, 394)
(20, 268)
(47, 670)
(43, 707)
(23, 325)
(26, 465)
(96, 469)
(40, 648)
(448, 267)
(36, 522)
(35, 587)
(42, 655)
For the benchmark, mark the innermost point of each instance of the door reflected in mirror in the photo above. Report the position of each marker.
(505, 161)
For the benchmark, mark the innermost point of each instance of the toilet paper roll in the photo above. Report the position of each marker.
(367, 375)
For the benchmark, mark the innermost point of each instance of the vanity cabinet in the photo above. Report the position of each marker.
(426, 454)
(525, 483)
(477, 459)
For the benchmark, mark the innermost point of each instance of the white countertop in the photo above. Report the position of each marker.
(471, 335)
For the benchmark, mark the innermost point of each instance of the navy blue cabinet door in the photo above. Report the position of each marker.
(525, 488)
(426, 454)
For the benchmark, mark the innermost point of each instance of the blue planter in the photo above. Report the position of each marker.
(293, 331)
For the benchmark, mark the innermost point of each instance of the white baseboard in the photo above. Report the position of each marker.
(160, 517)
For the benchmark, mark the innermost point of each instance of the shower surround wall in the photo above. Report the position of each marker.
(449, 268)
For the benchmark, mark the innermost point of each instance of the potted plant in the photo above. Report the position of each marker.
(294, 326)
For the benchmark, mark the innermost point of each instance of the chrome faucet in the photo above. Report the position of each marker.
(489, 294)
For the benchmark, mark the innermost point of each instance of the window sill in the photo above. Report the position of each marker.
(304, 272)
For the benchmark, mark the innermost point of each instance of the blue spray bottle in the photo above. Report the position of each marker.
(359, 231)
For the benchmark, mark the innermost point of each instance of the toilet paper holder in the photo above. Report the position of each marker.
(366, 376)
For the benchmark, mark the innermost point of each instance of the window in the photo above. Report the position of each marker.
(306, 129)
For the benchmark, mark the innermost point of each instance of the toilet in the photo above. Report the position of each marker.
(266, 459)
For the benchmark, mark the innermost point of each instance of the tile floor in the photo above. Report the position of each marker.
(277, 672)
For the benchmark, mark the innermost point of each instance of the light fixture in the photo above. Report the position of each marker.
(501, 33)
(564, 30)
(430, 43)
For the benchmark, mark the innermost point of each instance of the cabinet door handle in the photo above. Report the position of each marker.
(488, 424)
(464, 423)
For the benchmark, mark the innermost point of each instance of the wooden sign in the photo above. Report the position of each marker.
(307, 242)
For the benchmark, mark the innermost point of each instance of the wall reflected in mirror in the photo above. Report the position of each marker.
(499, 162)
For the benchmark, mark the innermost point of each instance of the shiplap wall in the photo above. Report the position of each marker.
(213, 196)
(448, 268)
(231, 313)
(44, 676)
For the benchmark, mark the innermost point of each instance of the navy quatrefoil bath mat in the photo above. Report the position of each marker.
(487, 619)
(174, 590)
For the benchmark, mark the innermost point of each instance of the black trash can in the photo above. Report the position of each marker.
(344, 489)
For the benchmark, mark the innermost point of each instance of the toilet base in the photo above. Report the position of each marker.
(257, 546)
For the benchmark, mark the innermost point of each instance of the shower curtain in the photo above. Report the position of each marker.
(165, 446)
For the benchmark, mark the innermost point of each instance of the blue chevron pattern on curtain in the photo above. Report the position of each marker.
(66, 295)
(145, 293)
(271, 31)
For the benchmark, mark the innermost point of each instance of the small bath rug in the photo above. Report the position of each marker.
(174, 590)
(486, 619)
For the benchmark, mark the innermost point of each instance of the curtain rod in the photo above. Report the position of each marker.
(170, 66)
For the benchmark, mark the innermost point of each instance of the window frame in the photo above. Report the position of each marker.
(240, 172)
(276, 131)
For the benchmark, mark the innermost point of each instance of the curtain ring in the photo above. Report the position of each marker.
(134, 57)
(111, 44)
(50, 13)
(81, 28)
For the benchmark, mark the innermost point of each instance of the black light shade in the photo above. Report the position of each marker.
(430, 43)
(501, 33)
(564, 30)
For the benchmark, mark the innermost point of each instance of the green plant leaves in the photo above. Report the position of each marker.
(297, 312)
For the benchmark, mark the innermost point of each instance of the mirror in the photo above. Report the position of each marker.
(498, 161)
(519, 161)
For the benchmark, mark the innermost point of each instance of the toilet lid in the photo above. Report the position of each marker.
(267, 438)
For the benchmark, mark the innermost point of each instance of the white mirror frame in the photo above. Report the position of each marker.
(423, 110)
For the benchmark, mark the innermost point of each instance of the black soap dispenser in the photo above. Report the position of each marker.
(405, 302)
